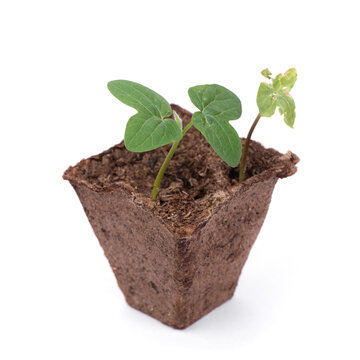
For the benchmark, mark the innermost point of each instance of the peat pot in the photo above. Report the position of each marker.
(179, 257)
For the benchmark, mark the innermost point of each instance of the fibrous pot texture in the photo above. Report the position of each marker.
(179, 257)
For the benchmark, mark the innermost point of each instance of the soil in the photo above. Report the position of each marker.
(194, 183)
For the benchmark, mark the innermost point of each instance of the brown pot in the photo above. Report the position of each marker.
(180, 257)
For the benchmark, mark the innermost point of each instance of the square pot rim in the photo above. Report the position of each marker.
(281, 166)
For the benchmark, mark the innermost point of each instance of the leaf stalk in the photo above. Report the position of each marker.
(246, 148)
(160, 175)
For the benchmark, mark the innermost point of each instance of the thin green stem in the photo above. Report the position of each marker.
(166, 162)
(246, 148)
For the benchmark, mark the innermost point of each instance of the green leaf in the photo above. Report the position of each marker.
(289, 79)
(266, 73)
(218, 106)
(286, 107)
(221, 136)
(151, 127)
(276, 83)
(276, 94)
(144, 132)
(217, 101)
(266, 100)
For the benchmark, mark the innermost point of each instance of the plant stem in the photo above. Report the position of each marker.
(246, 148)
(166, 162)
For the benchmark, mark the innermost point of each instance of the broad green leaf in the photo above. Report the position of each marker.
(221, 136)
(286, 107)
(218, 106)
(151, 127)
(217, 101)
(140, 97)
(144, 132)
(276, 94)
(266, 100)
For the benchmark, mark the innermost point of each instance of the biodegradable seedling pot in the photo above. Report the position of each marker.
(177, 258)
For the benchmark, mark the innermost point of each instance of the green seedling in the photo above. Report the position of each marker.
(153, 126)
(269, 97)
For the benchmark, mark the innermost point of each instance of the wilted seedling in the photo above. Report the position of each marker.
(269, 97)
(153, 126)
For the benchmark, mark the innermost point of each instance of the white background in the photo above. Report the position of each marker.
(298, 296)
